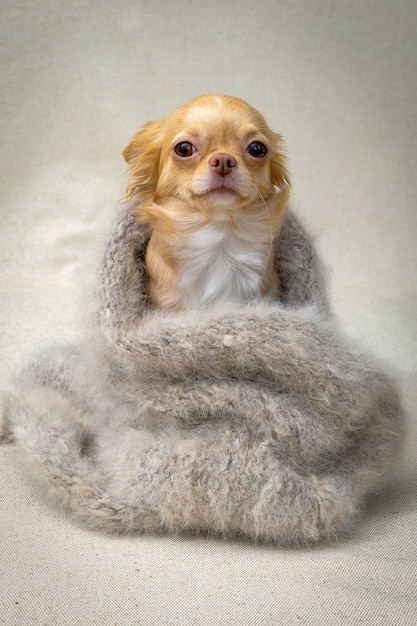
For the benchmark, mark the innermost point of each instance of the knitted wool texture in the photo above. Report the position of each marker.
(260, 420)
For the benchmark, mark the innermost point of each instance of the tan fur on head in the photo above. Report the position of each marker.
(211, 181)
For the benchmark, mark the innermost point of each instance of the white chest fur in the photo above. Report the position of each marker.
(222, 264)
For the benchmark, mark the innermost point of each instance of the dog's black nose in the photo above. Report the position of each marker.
(222, 163)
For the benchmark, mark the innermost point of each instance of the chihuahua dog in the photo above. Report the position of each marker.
(212, 184)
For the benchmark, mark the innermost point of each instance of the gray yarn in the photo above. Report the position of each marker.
(260, 421)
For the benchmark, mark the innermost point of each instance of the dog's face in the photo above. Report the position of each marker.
(213, 154)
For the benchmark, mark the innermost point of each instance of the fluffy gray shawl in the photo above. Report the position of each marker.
(259, 420)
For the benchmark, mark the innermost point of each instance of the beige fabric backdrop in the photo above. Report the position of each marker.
(338, 79)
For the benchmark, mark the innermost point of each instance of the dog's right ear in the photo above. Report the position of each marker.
(143, 157)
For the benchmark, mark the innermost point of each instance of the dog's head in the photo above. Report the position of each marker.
(215, 153)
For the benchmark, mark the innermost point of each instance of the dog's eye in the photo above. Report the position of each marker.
(257, 149)
(185, 149)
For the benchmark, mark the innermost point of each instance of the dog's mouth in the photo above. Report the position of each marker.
(227, 190)
(222, 190)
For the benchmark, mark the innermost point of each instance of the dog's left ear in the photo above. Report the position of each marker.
(143, 157)
(279, 172)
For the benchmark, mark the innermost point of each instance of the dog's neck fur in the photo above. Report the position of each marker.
(219, 262)
(221, 265)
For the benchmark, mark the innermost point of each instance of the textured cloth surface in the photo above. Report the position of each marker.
(255, 420)
(338, 80)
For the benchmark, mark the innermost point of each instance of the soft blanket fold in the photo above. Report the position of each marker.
(259, 421)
